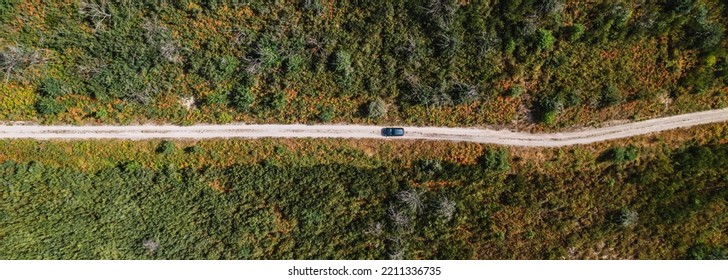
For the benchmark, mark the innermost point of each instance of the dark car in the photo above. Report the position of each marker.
(393, 131)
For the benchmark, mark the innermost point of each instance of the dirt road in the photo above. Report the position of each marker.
(501, 137)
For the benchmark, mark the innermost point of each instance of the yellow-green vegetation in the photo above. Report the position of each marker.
(654, 197)
(436, 62)
(16, 103)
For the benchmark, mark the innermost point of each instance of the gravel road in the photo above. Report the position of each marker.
(501, 137)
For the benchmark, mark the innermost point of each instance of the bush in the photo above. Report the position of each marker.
(551, 102)
(431, 166)
(573, 98)
(101, 114)
(342, 63)
(548, 107)
(223, 117)
(707, 36)
(166, 147)
(276, 101)
(464, 93)
(448, 44)
(49, 106)
(610, 96)
(293, 63)
(218, 98)
(702, 251)
(576, 31)
(7, 9)
(622, 155)
(626, 217)
(545, 39)
(510, 47)
(549, 118)
(377, 108)
(326, 114)
(193, 150)
(51, 87)
(514, 91)
(496, 160)
(14, 60)
(242, 98)
(710, 60)
(268, 55)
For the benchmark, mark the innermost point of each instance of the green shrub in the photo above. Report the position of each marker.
(622, 155)
(276, 101)
(551, 102)
(449, 43)
(545, 39)
(610, 96)
(510, 47)
(707, 36)
(49, 106)
(549, 118)
(293, 63)
(101, 114)
(52, 87)
(242, 98)
(268, 55)
(431, 166)
(315, 6)
(326, 114)
(496, 160)
(342, 63)
(226, 67)
(710, 60)
(7, 9)
(699, 80)
(223, 117)
(573, 98)
(548, 106)
(218, 98)
(514, 91)
(576, 31)
(463, 93)
(166, 147)
(701, 251)
(193, 150)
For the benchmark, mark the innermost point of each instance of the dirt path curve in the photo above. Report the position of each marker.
(501, 137)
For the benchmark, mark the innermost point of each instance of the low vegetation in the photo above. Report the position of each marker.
(551, 62)
(245, 199)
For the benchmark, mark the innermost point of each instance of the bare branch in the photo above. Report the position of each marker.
(375, 229)
(398, 217)
(17, 58)
(150, 245)
(445, 209)
(94, 12)
(160, 37)
(397, 255)
(412, 199)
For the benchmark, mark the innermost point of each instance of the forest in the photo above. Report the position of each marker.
(544, 63)
(623, 204)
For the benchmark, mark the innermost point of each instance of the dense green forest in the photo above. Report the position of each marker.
(445, 62)
(671, 205)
